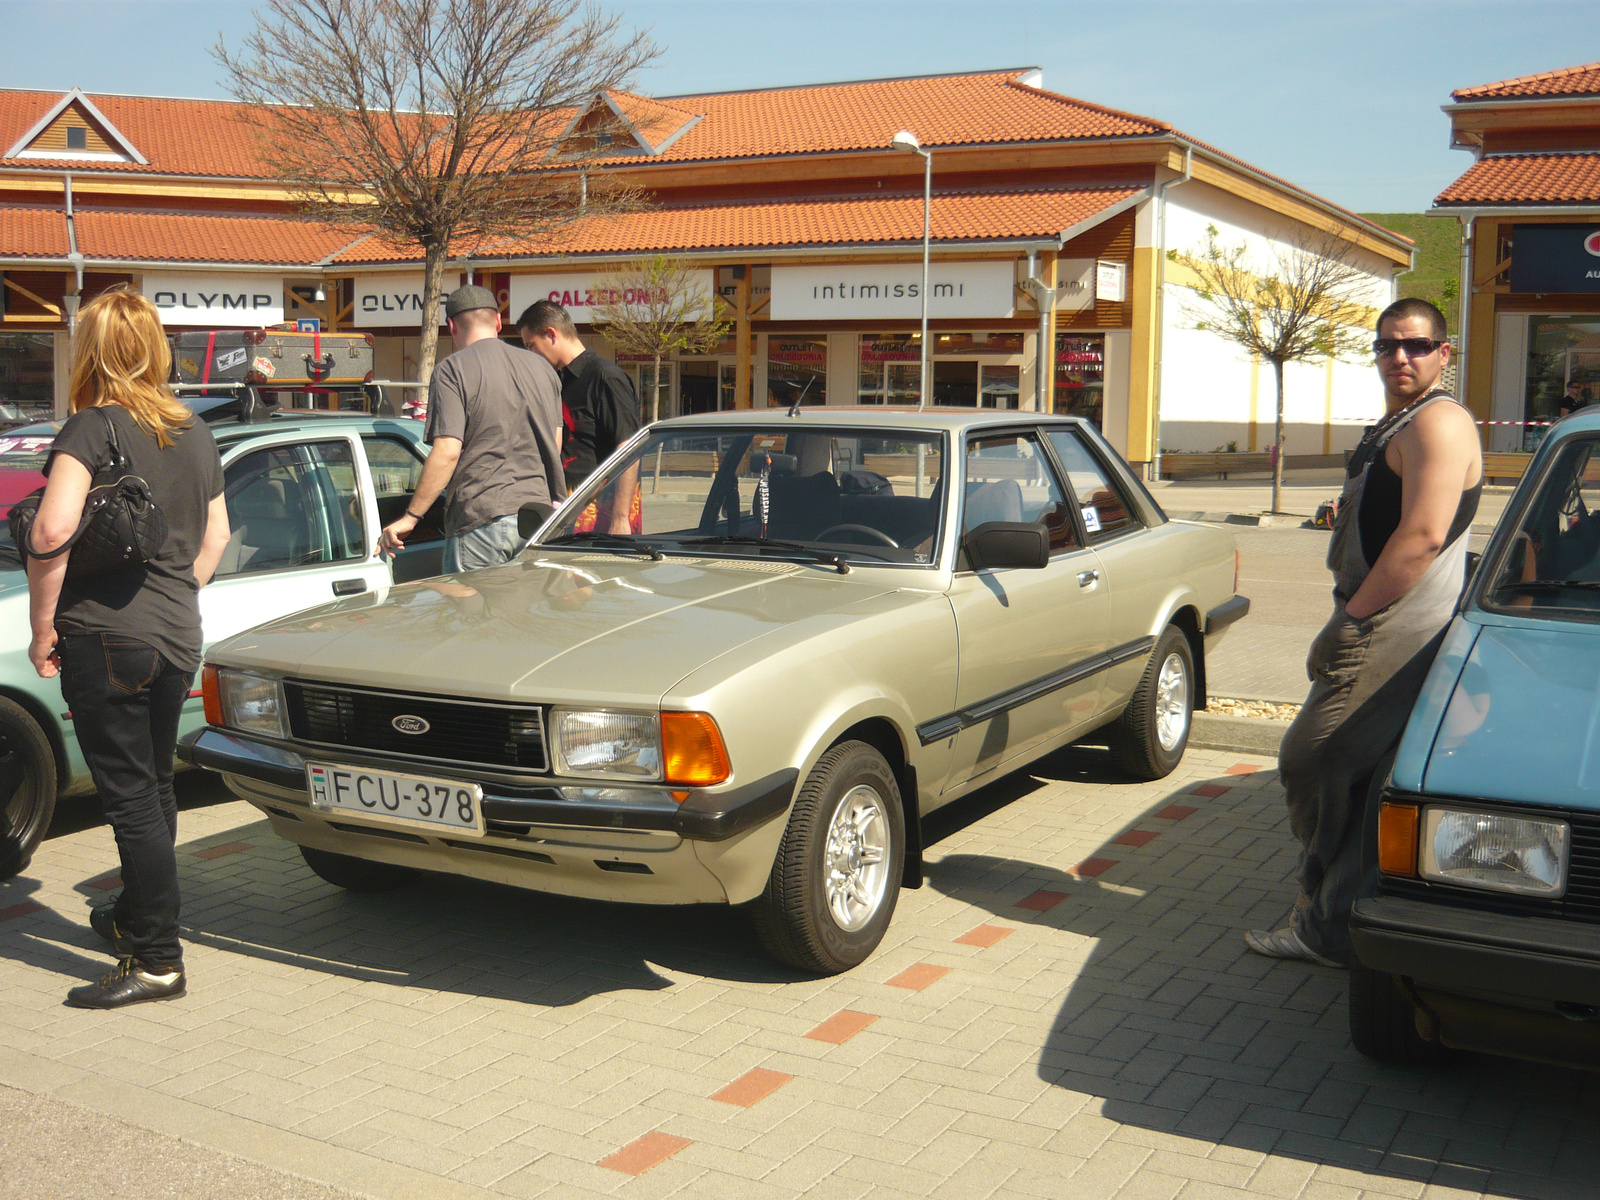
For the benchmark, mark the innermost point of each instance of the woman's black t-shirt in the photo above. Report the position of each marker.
(158, 603)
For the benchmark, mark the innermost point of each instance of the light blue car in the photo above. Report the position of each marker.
(307, 494)
(1479, 928)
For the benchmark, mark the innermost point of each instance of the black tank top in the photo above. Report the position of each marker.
(1380, 509)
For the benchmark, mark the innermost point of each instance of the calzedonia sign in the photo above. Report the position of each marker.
(217, 301)
(867, 291)
(580, 293)
(1555, 258)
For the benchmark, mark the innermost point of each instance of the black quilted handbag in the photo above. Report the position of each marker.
(122, 526)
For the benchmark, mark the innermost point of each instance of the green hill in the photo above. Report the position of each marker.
(1438, 274)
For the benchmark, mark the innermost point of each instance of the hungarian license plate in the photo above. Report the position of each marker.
(396, 799)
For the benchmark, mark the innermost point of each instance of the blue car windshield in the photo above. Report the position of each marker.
(866, 496)
(1550, 566)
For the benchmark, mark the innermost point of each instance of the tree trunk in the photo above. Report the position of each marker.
(1277, 440)
(655, 393)
(432, 293)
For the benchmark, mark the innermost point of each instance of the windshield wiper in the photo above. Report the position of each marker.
(1549, 585)
(781, 547)
(611, 541)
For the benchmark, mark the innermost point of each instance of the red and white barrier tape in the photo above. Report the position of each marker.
(1516, 422)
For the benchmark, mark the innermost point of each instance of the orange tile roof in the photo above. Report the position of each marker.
(142, 236)
(179, 137)
(1527, 179)
(653, 120)
(958, 216)
(1568, 81)
(32, 232)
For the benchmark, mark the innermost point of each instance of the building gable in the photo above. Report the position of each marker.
(74, 128)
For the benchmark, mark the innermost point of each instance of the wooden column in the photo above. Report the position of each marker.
(741, 337)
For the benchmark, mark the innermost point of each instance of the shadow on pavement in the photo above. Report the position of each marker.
(1180, 1030)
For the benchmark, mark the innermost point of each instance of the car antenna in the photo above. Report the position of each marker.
(794, 409)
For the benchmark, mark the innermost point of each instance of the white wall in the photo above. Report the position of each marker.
(1510, 392)
(1207, 383)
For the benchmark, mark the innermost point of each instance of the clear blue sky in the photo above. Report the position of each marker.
(1340, 97)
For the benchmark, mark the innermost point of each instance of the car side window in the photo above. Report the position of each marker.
(1009, 478)
(396, 467)
(1106, 512)
(291, 506)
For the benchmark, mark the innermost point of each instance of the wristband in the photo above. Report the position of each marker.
(413, 515)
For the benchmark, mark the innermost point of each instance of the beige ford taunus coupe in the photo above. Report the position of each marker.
(738, 667)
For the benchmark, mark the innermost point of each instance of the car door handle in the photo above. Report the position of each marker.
(349, 587)
(1088, 578)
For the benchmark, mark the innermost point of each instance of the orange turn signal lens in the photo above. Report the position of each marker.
(212, 695)
(692, 750)
(1397, 838)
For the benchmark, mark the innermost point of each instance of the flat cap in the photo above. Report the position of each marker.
(465, 299)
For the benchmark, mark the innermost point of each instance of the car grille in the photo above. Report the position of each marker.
(1582, 899)
(471, 733)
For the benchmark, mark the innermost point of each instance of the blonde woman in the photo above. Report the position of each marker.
(127, 643)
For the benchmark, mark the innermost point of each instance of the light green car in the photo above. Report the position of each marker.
(784, 639)
(306, 492)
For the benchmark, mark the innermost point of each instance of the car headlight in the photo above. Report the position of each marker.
(252, 703)
(618, 745)
(1494, 851)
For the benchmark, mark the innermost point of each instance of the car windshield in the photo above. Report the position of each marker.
(834, 495)
(1550, 567)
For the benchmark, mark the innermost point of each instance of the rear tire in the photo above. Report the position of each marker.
(1149, 739)
(355, 874)
(27, 787)
(1383, 1022)
(836, 877)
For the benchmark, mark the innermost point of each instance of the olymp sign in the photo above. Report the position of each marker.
(216, 301)
(382, 301)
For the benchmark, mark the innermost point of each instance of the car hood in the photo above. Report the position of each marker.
(562, 628)
(1523, 719)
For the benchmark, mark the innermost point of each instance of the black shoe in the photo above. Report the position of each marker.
(131, 983)
(103, 920)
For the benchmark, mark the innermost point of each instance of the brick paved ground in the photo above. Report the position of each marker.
(1066, 1010)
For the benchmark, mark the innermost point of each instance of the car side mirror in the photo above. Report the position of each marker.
(532, 515)
(997, 544)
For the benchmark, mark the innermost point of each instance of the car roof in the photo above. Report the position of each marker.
(873, 415)
(221, 413)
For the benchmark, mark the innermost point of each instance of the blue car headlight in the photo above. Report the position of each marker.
(1495, 851)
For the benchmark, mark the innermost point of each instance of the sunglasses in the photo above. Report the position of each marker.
(1414, 347)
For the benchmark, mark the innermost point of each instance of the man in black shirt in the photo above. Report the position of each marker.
(600, 409)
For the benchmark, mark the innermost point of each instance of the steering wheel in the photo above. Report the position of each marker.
(876, 535)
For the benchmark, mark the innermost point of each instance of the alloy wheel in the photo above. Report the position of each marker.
(1172, 703)
(856, 859)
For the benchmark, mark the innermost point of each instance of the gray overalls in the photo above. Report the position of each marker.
(1365, 676)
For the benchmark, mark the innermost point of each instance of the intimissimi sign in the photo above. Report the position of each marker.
(891, 291)
(217, 301)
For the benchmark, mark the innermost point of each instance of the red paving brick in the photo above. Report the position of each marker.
(1243, 769)
(1176, 812)
(984, 936)
(20, 910)
(639, 1156)
(1208, 790)
(1135, 837)
(223, 850)
(1091, 867)
(841, 1027)
(752, 1086)
(1042, 900)
(916, 978)
(105, 884)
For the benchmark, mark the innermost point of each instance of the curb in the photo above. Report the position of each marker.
(1243, 735)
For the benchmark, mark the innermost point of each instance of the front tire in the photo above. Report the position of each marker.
(355, 874)
(1383, 1022)
(1149, 739)
(836, 877)
(27, 787)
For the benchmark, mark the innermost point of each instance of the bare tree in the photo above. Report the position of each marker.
(659, 306)
(1309, 302)
(437, 124)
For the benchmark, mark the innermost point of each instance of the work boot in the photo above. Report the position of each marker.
(130, 983)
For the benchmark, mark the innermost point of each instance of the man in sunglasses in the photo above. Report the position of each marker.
(1398, 557)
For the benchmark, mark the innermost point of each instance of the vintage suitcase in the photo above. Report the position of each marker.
(272, 357)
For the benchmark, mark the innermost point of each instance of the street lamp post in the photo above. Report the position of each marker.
(907, 141)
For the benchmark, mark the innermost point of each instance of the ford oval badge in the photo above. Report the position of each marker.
(406, 723)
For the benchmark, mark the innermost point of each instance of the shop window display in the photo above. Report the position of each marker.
(1001, 388)
(887, 371)
(27, 378)
(1081, 375)
(1563, 370)
(797, 369)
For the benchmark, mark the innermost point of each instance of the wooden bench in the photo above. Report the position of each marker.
(1504, 465)
(1188, 466)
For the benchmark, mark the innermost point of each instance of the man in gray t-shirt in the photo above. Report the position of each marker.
(494, 422)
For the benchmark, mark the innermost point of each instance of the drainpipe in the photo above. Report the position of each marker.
(1160, 315)
(71, 301)
(1044, 297)
(1468, 223)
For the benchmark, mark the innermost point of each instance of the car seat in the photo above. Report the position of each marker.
(803, 506)
(269, 528)
(997, 500)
